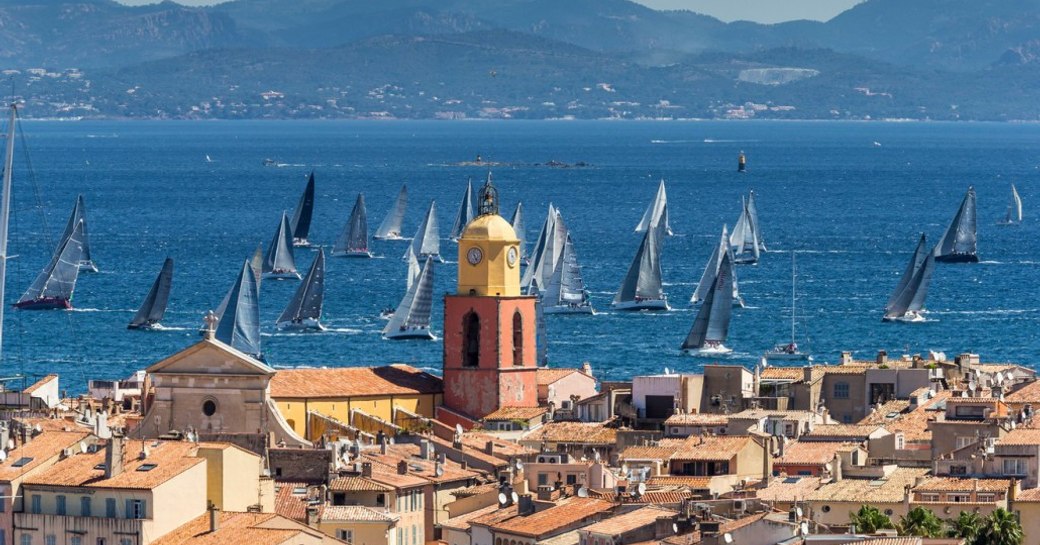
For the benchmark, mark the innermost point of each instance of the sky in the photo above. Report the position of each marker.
(760, 11)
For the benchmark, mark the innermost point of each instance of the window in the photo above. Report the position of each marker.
(21, 462)
(101, 541)
(26, 539)
(986, 498)
(965, 440)
(36, 504)
(958, 498)
(110, 508)
(415, 539)
(380, 500)
(345, 535)
(572, 479)
(147, 467)
(958, 470)
(84, 506)
(60, 499)
(3, 537)
(518, 338)
(50, 539)
(900, 441)
(1015, 466)
(929, 497)
(543, 479)
(841, 390)
(135, 509)
(126, 541)
(76, 540)
(471, 340)
(209, 407)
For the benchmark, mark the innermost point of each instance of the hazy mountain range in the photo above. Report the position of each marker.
(946, 59)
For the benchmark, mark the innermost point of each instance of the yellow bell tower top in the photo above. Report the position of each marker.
(489, 251)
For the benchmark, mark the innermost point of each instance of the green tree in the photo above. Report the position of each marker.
(1001, 527)
(920, 522)
(869, 520)
(966, 526)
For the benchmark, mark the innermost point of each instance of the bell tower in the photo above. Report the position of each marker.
(489, 326)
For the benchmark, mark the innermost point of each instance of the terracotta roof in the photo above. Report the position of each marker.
(475, 453)
(344, 382)
(663, 450)
(237, 529)
(789, 489)
(1030, 393)
(850, 431)
(170, 459)
(290, 504)
(633, 520)
(547, 376)
(783, 373)
(697, 419)
(1031, 495)
(461, 522)
(563, 514)
(496, 516)
(39, 384)
(356, 513)
(735, 525)
(573, 432)
(952, 484)
(386, 464)
(811, 452)
(1021, 436)
(852, 369)
(758, 414)
(354, 483)
(695, 483)
(515, 413)
(914, 424)
(711, 447)
(885, 490)
(668, 497)
(477, 440)
(43, 447)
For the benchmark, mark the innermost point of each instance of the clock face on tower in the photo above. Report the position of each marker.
(474, 255)
(511, 256)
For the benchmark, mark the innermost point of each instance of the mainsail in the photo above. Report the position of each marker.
(354, 240)
(391, 226)
(959, 243)
(413, 267)
(427, 242)
(711, 270)
(239, 326)
(656, 213)
(412, 317)
(305, 307)
(279, 258)
(79, 216)
(911, 299)
(911, 269)
(1014, 209)
(465, 214)
(154, 307)
(53, 287)
(643, 280)
(566, 287)
(301, 220)
(744, 238)
(547, 253)
(518, 226)
(711, 326)
(753, 215)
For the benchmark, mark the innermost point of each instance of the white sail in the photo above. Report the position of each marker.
(239, 325)
(411, 319)
(353, 242)
(54, 285)
(546, 253)
(566, 291)
(518, 226)
(427, 241)
(711, 326)
(656, 213)
(910, 302)
(465, 214)
(391, 226)
(413, 268)
(753, 216)
(712, 269)
(908, 274)
(1014, 208)
(642, 286)
(79, 216)
(279, 261)
(744, 238)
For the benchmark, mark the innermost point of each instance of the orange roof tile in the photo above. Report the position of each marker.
(356, 513)
(697, 419)
(170, 458)
(462, 522)
(39, 384)
(43, 447)
(353, 382)
(563, 514)
(633, 520)
(574, 433)
(711, 447)
(477, 440)
(811, 452)
(850, 431)
(663, 450)
(1021, 436)
(547, 376)
(290, 504)
(783, 373)
(1030, 393)
(236, 529)
(789, 489)
(694, 483)
(889, 489)
(353, 483)
(515, 413)
(953, 484)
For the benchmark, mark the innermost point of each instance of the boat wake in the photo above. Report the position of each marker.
(724, 141)
(674, 141)
(160, 327)
(77, 309)
(991, 262)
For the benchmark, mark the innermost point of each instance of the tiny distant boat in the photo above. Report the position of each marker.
(744, 239)
(354, 240)
(304, 310)
(712, 269)
(426, 242)
(53, 287)
(411, 319)
(239, 325)
(960, 244)
(518, 225)
(301, 219)
(907, 301)
(642, 286)
(656, 213)
(707, 337)
(153, 309)
(741, 162)
(547, 253)
(390, 229)
(789, 351)
(79, 216)
(465, 214)
(1014, 209)
(566, 293)
(208, 159)
(279, 261)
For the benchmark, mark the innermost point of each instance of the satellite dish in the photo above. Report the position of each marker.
(519, 465)
(38, 428)
(1000, 377)
(972, 385)
(595, 455)
(82, 447)
(502, 499)
(675, 528)
(804, 527)
(438, 471)
(641, 488)
(727, 537)
(10, 444)
(515, 497)
(624, 469)
(798, 511)
(458, 429)
(3, 455)
(583, 492)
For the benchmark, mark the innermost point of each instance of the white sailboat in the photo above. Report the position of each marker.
(656, 213)
(304, 310)
(907, 302)
(411, 319)
(518, 226)
(789, 351)
(642, 286)
(279, 261)
(566, 293)
(390, 229)
(546, 253)
(1014, 209)
(712, 269)
(744, 238)
(153, 309)
(960, 243)
(465, 213)
(79, 216)
(710, 328)
(239, 324)
(427, 241)
(410, 279)
(354, 240)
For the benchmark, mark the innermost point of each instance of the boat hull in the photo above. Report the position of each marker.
(148, 326)
(435, 257)
(45, 303)
(569, 309)
(908, 318)
(281, 275)
(957, 258)
(87, 266)
(390, 237)
(308, 324)
(302, 243)
(708, 351)
(745, 260)
(361, 254)
(645, 304)
(410, 334)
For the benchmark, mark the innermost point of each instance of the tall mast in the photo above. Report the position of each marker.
(5, 213)
(792, 296)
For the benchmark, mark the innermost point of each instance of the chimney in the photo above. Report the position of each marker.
(489, 448)
(807, 374)
(402, 467)
(424, 449)
(544, 492)
(846, 357)
(366, 469)
(464, 464)
(836, 468)
(882, 357)
(114, 456)
(526, 505)
(214, 518)
(382, 445)
(312, 517)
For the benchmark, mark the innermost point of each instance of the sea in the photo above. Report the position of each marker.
(849, 199)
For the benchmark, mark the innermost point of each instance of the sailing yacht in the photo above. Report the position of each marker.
(304, 310)
(566, 293)
(744, 238)
(239, 325)
(712, 269)
(410, 279)
(753, 214)
(711, 326)
(411, 319)
(390, 229)
(641, 288)
(544, 256)
(279, 261)
(79, 215)
(154, 307)
(1014, 209)
(960, 244)
(55, 284)
(518, 225)
(465, 214)
(907, 301)
(427, 241)
(656, 213)
(301, 220)
(354, 240)
(789, 351)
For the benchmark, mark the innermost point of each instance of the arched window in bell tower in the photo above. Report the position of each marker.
(518, 338)
(471, 340)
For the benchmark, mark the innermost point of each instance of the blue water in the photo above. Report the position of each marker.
(850, 209)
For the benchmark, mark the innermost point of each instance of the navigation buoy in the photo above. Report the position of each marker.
(742, 163)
